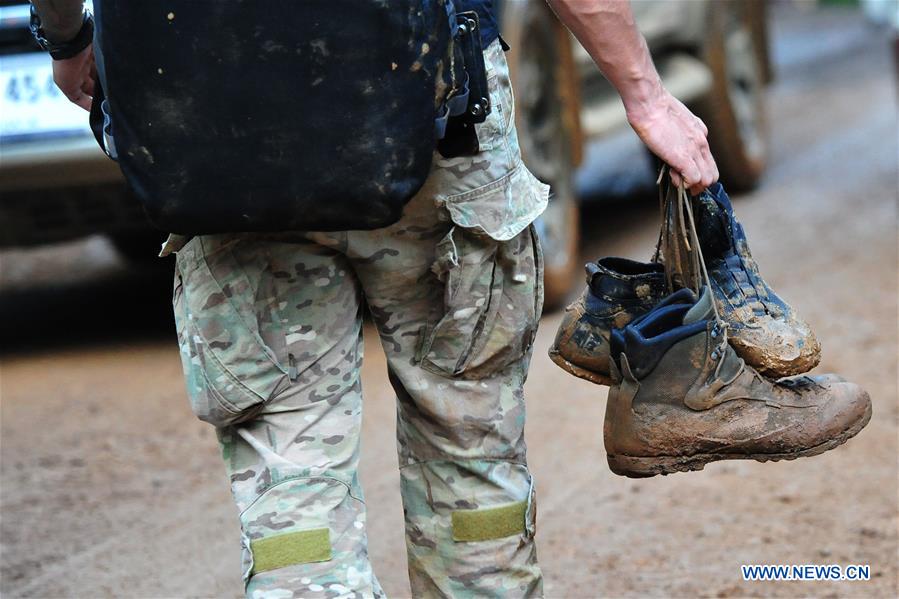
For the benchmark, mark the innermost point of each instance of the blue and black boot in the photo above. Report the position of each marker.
(763, 329)
(618, 291)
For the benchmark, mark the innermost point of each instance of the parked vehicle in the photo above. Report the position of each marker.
(56, 184)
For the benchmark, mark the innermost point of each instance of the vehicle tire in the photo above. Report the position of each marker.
(138, 247)
(559, 231)
(734, 109)
(545, 116)
(757, 15)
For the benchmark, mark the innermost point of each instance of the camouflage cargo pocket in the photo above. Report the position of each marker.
(492, 268)
(230, 371)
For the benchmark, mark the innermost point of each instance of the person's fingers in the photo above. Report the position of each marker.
(710, 169)
(68, 83)
(700, 184)
(90, 75)
(681, 161)
(699, 177)
(81, 99)
(691, 173)
(705, 163)
(77, 87)
(702, 127)
(690, 181)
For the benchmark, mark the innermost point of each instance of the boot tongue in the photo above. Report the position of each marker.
(702, 309)
(712, 224)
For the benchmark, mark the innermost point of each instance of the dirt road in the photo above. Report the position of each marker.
(111, 488)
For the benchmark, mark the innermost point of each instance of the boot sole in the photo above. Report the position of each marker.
(581, 373)
(644, 467)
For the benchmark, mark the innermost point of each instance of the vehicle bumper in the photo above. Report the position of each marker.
(62, 189)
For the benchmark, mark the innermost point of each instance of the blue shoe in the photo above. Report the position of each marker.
(763, 329)
(618, 291)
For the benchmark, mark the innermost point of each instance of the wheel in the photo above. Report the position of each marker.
(559, 234)
(542, 68)
(734, 109)
(757, 16)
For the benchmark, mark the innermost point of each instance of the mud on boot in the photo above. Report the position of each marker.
(683, 398)
(763, 329)
(618, 290)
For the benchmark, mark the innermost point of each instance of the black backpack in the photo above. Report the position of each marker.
(263, 115)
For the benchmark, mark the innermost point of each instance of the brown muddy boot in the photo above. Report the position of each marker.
(684, 398)
(618, 290)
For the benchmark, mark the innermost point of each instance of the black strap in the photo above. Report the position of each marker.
(469, 103)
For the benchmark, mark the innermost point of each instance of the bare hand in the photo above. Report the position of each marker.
(75, 77)
(677, 137)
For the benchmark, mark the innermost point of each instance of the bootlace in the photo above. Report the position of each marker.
(686, 225)
(677, 250)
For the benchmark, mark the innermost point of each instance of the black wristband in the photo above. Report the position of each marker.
(68, 49)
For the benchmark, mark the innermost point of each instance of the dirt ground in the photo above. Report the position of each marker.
(111, 488)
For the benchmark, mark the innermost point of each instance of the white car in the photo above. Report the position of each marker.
(55, 182)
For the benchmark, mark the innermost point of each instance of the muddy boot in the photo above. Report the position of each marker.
(763, 329)
(683, 398)
(618, 290)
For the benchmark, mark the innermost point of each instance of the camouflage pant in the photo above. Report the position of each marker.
(270, 332)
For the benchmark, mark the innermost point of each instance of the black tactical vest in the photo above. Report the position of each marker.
(262, 115)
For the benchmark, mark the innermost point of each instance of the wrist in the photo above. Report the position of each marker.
(643, 98)
(72, 45)
(63, 32)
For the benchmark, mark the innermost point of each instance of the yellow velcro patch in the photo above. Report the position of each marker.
(288, 549)
(489, 523)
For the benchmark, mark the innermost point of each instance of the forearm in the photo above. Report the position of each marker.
(607, 31)
(60, 19)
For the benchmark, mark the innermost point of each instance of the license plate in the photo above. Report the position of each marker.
(30, 103)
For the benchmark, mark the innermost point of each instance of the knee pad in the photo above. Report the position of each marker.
(303, 521)
(469, 501)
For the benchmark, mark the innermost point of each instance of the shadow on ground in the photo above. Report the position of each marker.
(127, 304)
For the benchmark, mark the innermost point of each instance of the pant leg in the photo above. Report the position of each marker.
(270, 333)
(455, 289)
